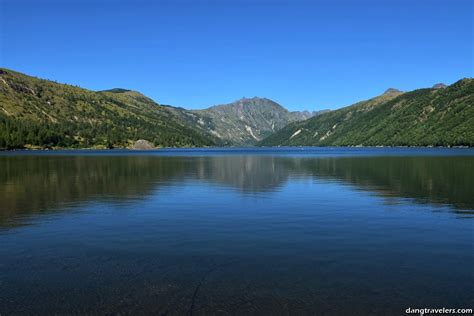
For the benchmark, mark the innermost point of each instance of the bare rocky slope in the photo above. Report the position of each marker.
(248, 120)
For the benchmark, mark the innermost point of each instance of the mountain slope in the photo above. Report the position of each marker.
(246, 121)
(438, 116)
(42, 113)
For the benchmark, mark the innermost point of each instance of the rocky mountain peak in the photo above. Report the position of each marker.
(439, 86)
(392, 91)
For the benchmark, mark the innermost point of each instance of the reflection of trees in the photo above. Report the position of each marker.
(446, 180)
(30, 184)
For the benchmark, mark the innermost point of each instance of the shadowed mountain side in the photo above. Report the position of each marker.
(35, 184)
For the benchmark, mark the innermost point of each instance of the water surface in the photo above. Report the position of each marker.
(236, 231)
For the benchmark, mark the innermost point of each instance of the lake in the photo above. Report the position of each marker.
(301, 231)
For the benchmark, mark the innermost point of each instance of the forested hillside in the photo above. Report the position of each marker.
(42, 113)
(440, 116)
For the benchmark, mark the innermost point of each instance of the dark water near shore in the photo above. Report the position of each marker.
(236, 231)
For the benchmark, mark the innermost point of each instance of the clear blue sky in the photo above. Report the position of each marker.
(193, 53)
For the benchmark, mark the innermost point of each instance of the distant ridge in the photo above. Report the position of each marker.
(247, 120)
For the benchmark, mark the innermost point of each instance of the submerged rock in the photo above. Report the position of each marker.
(143, 144)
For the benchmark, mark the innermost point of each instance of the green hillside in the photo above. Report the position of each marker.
(42, 113)
(440, 116)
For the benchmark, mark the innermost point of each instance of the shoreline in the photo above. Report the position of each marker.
(220, 147)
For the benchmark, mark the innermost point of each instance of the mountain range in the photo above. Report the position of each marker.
(38, 113)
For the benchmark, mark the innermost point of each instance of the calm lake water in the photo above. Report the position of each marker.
(236, 231)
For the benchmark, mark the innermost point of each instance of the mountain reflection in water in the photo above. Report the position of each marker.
(35, 184)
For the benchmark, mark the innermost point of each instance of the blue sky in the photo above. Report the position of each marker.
(196, 53)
